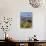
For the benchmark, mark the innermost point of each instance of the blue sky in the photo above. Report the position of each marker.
(26, 14)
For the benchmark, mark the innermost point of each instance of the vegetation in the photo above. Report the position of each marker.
(26, 24)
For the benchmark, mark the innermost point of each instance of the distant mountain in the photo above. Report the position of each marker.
(26, 18)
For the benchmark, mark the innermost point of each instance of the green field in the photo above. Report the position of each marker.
(26, 24)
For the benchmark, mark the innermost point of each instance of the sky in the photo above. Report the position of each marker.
(26, 14)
